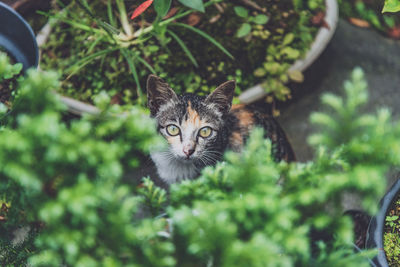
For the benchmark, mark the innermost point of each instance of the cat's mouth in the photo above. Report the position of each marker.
(187, 159)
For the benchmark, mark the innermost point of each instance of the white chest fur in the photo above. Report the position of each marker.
(172, 170)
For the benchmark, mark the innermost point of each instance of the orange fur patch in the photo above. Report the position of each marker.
(245, 118)
(193, 116)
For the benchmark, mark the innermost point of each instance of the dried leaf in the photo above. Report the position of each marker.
(319, 20)
(359, 22)
(193, 19)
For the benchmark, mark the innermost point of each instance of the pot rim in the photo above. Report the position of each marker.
(250, 95)
(321, 40)
(29, 30)
(374, 238)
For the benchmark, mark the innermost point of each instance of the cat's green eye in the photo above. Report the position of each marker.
(205, 132)
(173, 130)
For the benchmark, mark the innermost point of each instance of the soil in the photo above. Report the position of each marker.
(360, 221)
(7, 85)
(5, 92)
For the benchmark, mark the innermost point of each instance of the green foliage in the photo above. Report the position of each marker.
(195, 4)
(391, 237)
(162, 7)
(67, 177)
(391, 243)
(7, 70)
(248, 210)
(391, 6)
(9, 73)
(371, 11)
(92, 56)
(245, 28)
(62, 182)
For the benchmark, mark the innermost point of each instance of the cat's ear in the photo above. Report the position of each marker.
(158, 93)
(222, 96)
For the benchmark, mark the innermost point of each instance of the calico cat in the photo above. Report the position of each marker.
(199, 129)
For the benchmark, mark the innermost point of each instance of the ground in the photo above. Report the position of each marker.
(351, 46)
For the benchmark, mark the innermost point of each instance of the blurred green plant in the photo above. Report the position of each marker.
(62, 182)
(9, 73)
(391, 6)
(7, 70)
(372, 13)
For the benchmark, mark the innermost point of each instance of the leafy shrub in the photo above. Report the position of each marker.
(63, 180)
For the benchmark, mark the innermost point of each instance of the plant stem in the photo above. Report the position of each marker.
(124, 18)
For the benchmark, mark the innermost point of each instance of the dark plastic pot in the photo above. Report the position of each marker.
(377, 225)
(17, 37)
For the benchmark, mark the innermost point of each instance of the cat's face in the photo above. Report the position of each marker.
(191, 124)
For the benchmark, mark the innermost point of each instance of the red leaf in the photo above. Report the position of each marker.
(140, 9)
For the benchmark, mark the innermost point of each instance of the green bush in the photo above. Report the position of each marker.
(62, 181)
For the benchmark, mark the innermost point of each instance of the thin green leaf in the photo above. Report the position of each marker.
(110, 15)
(104, 25)
(127, 54)
(147, 65)
(162, 7)
(184, 48)
(206, 36)
(86, 60)
(244, 30)
(193, 4)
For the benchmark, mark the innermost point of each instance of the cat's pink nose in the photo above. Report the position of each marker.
(188, 151)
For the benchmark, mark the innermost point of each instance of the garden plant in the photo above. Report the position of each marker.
(65, 183)
(194, 47)
(376, 13)
(391, 237)
(8, 79)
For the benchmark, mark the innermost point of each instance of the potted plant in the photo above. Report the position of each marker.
(172, 48)
(18, 44)
(384, 229)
